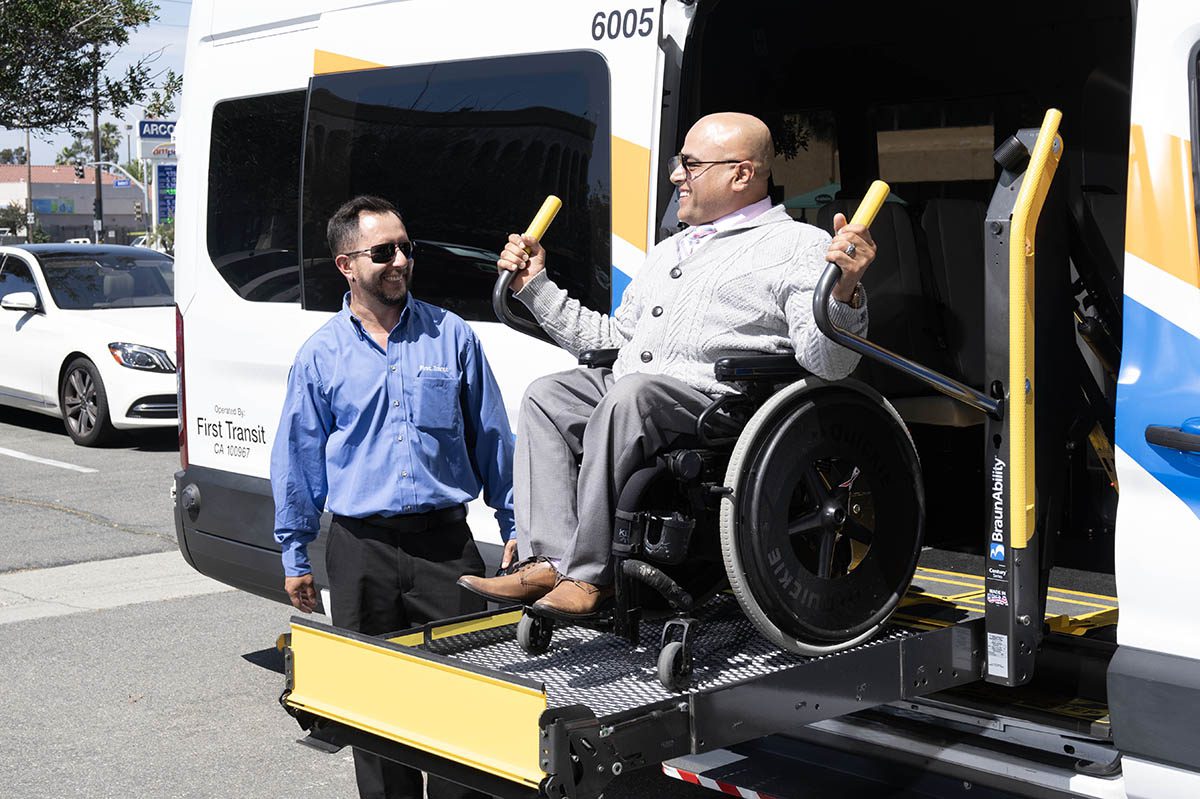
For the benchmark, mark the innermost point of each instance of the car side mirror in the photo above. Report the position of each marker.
(20, 301)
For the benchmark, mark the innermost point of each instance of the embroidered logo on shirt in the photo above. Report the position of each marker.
(426, 368)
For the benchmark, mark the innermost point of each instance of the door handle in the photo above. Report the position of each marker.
(1172, 438)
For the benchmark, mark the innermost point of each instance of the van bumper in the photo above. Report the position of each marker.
(224, 524)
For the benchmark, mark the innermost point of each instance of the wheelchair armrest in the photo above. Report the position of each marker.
(594, 359)
(759, 368)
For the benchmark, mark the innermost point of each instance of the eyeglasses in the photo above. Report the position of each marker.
(681, 160)
(385, 253)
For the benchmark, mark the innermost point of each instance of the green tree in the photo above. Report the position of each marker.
(12, 156)
(53, 57)
(12, 216)
(162, 99)
(82, 149)
(164, 236)
(135, 168)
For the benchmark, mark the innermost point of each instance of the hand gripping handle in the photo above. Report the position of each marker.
(865, 215)
(536, 229)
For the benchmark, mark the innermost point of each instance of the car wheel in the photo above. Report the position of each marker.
(85, 405)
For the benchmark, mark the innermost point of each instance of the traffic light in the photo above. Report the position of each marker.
(137, 210)
(96, 209)
(79, 171)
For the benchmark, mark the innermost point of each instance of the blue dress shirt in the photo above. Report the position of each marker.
(418, 427)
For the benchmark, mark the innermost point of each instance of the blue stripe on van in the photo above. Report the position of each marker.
(620, 281)
(1160, 372)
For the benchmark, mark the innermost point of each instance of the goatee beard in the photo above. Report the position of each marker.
(379, 292)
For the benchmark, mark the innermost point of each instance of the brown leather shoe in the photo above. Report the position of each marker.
(528, 582)
(574, 599)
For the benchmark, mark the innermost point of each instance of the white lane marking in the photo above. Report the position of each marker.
(12, 453)
(100, 585)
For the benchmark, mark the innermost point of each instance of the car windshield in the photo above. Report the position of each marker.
(109, 280)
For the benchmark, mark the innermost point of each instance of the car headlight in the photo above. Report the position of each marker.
(139, 356)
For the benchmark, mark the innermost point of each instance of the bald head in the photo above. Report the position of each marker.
(732, 154)
(742, 136)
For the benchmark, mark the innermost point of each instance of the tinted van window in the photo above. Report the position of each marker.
(253, 192)
(467, 151)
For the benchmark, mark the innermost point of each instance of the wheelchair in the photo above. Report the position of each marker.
(802, 496)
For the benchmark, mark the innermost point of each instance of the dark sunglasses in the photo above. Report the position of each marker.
(385, 253)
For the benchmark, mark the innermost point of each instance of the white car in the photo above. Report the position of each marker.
(88, 334)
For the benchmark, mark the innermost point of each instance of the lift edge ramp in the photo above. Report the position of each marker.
(485, 720)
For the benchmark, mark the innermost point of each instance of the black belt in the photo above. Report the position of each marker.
(419, 522)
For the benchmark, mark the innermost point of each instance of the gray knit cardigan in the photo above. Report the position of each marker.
(747, 289)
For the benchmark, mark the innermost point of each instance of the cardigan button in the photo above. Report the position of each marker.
(647, 357)
(676, 272)
(656, 310)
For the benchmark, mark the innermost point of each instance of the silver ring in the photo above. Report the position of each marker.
(850, 249)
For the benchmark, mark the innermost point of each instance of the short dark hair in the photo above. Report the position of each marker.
(343, 225)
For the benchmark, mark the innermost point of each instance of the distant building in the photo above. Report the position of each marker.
(63, 203)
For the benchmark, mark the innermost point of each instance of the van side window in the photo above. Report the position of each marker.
(467, 151)
(253, 192)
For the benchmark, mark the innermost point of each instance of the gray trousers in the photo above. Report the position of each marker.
(580, 436)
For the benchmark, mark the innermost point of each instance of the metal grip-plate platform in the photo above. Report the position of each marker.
(461, 699)
(599, 670)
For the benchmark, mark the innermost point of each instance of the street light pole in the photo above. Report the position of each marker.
(28, 191)
(98, 222)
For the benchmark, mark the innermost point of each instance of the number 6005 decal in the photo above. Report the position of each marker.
(619, 24)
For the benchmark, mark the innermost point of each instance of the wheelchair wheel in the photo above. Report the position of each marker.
(822, 532)
(672, 670)
(534, 634)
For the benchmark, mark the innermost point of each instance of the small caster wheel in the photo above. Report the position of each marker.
(534, 633)
(673, 671)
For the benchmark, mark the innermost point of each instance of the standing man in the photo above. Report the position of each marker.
(392, 421)
(738, 280)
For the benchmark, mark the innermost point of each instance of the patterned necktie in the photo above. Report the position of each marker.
(691, 240)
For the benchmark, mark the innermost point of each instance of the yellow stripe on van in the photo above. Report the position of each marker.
(1160, 226)
(325, 62)
(631, 191)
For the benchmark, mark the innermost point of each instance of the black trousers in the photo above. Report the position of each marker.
(387, 575)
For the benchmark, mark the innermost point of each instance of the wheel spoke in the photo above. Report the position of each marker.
(805, 524)
(857, 531)
(825, 558)
(77, 383)
(815, 482)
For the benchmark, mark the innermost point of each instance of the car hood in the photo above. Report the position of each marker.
(153, 327)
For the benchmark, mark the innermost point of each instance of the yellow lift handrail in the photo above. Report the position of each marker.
(1043, 163)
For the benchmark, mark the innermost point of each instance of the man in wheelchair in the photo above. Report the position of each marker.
(738, 280)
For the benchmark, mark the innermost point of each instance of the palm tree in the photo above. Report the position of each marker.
(82, 148)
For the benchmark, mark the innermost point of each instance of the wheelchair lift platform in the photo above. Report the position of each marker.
(461, 699)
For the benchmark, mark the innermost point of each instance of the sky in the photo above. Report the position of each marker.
(169, 32)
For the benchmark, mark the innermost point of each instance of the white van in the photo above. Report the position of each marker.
(468, 113)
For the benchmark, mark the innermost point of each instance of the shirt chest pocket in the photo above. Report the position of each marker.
(436, 405)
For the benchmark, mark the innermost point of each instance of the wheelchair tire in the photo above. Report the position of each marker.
(672, 670)
(819, 469)
(534, 634)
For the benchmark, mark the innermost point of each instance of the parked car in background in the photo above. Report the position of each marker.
(88, 333)
(80, 240)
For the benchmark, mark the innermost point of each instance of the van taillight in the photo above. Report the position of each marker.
(180, 392)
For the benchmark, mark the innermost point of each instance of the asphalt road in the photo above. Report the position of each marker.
(122, 672)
